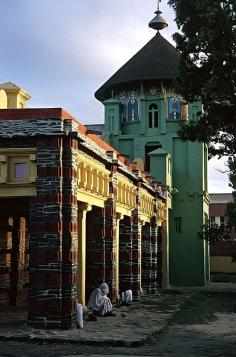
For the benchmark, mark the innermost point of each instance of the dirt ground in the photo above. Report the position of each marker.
(205, 325)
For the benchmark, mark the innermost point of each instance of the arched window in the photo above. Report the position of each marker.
(153, 116)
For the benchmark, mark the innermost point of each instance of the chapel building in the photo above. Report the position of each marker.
(143, 115)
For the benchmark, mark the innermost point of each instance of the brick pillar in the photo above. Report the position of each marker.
(45, 243)
(6, 228)
(95, 249)
(83, 208)
(159, 258)
(154, 254)
(125, 254)
(70, 232)
(14, 272)
(119, 218)
(53, 236)
(136, 251)
(110, 234)
(147, 258)
(22, 260)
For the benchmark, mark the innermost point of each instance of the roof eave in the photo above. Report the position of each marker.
(100, 94)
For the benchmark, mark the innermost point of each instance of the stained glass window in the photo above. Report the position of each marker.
(174, 107)
(21, 170)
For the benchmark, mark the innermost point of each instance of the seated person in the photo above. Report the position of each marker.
(99, 303)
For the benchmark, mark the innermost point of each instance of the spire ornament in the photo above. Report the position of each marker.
(158, 22)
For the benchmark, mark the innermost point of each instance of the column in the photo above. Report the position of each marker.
(146, 258)
(6, 237)
(14, 272)
(159, 259)
(45, 243)
(125, 254)
(119, 217)
(110, 228)
(136, 244)
(22, 261)
(110, 247)
(155, 266)
(83, 208)
(53, 240)
(70, 232)
(163, 244)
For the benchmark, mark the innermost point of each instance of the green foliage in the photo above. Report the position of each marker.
(207, 70)
(213, 233)
(231, 206)
(231, 213)
(208, 51)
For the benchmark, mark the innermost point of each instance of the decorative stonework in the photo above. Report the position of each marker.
(17, 166)
(130, 102)
(72, 168)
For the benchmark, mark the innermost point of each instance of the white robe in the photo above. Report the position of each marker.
(99, 302)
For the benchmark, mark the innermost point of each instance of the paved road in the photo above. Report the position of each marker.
(203, 326)
(217, 338)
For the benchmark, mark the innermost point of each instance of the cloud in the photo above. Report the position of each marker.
(62, 51)
(218, 178)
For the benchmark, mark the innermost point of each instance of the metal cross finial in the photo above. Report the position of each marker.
(158, 4)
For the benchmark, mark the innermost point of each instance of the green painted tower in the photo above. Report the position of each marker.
(143, 115)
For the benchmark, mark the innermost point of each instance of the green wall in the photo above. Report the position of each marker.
(187, 184)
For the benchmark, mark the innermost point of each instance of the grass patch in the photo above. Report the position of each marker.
(201, 307)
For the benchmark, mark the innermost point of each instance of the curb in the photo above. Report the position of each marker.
(108, 343)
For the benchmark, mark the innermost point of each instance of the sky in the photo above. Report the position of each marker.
(62, 51)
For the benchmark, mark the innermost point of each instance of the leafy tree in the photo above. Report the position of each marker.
(231, 207)
(214, 233)
(207, 70)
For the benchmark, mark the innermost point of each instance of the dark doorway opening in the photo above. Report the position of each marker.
(149, 147)
(95, 250)
(14, 276)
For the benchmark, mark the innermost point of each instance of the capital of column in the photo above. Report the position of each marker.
(84, 207)
(119, 216)
(142, 222)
